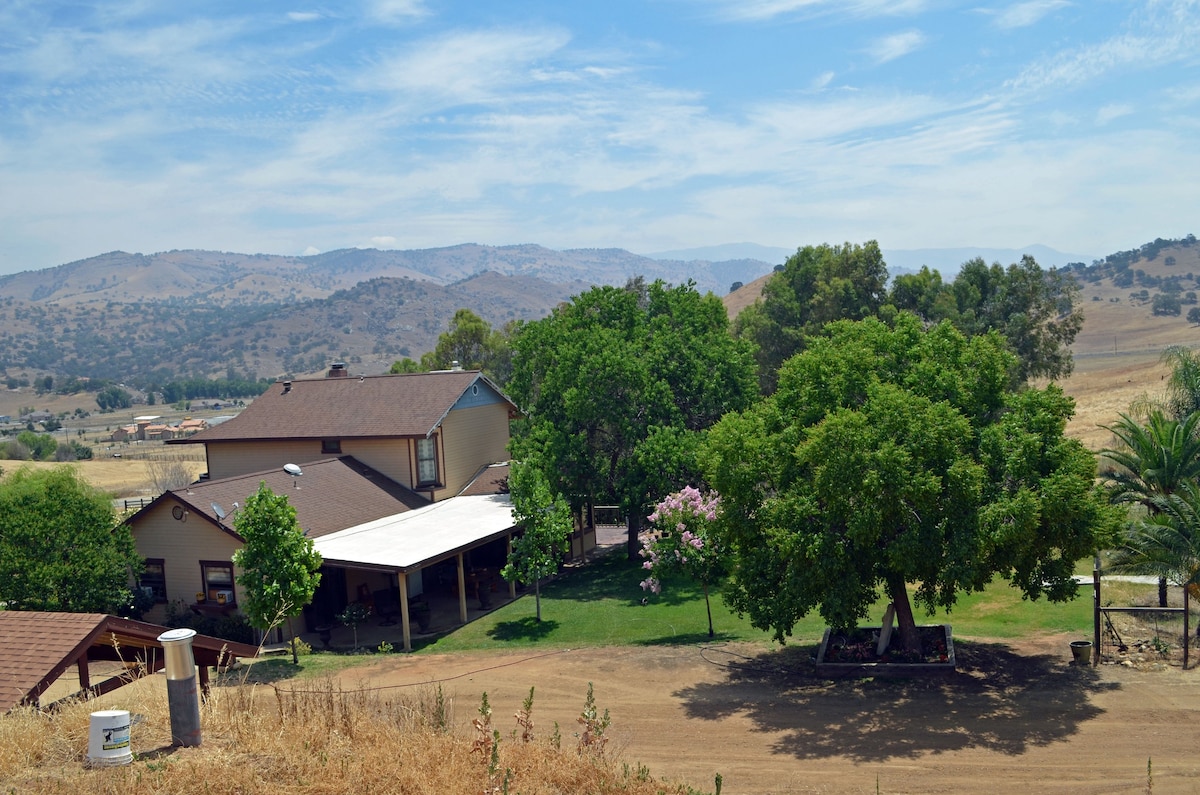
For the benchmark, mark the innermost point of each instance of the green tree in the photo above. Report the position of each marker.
(545, 520)
(616, 384)
(1166, 541)
(472, 343)
(1183, 386)
(406, 365)
(60, 546)
(41, 446)
(817, 285)
(1151, 461)
(280, 570)
(891, 456)
(113, 397)
(1036, 311)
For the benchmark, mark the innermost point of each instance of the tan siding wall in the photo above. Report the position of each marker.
(389, 456)
(227, 459)
(471, 439)
(181, 545)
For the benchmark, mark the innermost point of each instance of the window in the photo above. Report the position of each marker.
(331, 446)
(154, 579)
(427, 473)
(217, 577)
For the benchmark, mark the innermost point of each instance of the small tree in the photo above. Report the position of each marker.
(681, 539)
(280, 568)
(546, 520)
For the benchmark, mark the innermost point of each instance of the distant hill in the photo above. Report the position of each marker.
(187, 314)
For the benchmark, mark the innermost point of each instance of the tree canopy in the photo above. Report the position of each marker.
(470, 341)
(617, 384)
(279, 567)
(892, 455)
(61, 547)
(816, 285)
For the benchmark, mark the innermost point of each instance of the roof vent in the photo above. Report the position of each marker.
(287, 387)
(337, 370)
(454, 365)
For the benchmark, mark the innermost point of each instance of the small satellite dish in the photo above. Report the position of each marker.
(218, 510)
(292, 470)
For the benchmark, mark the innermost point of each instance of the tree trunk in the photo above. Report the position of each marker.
(634, 522)
(1162, 591)
(295, 654)
(537, 597)
(708, 607)
(898, 593)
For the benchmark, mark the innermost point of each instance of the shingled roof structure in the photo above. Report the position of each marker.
(316, 408)
(38, 648)
(329, 495)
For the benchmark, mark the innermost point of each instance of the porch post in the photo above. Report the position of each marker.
(404, 627)
(512, 584)
(462, 590)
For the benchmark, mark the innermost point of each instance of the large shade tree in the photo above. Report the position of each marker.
(60, 545)
(616, 386)
(895, 456)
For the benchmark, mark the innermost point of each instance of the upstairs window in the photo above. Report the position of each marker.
(333, 446)
(427, 473)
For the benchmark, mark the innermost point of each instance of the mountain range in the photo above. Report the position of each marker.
(190, 314)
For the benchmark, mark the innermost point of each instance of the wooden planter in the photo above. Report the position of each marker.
(878, 668)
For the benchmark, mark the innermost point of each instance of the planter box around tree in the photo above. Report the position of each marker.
(853, 653)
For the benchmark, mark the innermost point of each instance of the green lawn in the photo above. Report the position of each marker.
(600, 604)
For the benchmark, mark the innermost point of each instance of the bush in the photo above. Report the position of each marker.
(234, 627)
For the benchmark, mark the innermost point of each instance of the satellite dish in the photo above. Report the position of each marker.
(292, 470)
(218, 510)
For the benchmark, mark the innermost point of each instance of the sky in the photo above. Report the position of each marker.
(294, 128)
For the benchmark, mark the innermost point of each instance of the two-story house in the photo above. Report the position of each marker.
(401, 480)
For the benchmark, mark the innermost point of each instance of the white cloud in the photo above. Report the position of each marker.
(1022, 15)
(310, 251)
(760, 10)
(383, 241)
(897, 45)
(822, 80)
(396, 10)
(303, 16)
(1112, 111)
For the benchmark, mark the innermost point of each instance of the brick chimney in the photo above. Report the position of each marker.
(337, 370)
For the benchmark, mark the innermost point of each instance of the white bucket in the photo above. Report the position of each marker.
(108, 738)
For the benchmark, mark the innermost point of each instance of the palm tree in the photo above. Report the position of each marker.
(1183, 387)
(1152, 461)
(1166, 542)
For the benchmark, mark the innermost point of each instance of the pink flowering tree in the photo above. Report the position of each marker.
(681, 538)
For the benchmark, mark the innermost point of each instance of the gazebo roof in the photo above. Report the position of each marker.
(39, 647)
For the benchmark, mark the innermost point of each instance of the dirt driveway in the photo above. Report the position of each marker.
(1014, 719)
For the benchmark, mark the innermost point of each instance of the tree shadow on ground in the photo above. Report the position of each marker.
(261, 672)
(687, 639)
(527, 628)
(997, 700)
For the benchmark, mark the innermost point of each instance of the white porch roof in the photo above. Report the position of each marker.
(409, 540)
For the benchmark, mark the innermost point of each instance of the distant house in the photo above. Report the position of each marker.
(402, 485)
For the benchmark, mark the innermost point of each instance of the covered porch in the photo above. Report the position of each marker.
(421, 571)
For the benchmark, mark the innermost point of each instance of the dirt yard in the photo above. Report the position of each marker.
(1014, 718)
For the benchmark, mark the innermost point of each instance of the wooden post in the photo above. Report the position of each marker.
(462, 590)
(1096, 609)
(405, 625)
(1187, 641)
(512, 584)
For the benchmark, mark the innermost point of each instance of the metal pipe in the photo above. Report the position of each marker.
(183, 690)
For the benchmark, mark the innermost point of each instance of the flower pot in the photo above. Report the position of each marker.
(1081, 652)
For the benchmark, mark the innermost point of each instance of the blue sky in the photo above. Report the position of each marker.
(665, 124)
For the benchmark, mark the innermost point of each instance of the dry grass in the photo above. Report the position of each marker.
(306, 737)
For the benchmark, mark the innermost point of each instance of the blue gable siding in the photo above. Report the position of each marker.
(478, 394)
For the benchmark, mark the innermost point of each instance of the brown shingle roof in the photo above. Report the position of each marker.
(38, 648)
(330, 495)
(410, 404)
(492, 479)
